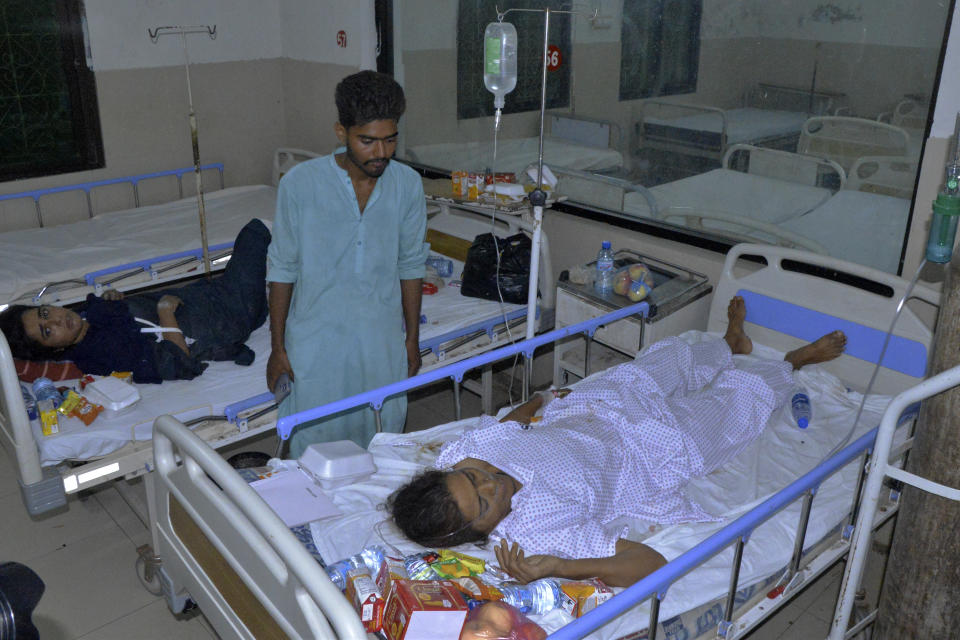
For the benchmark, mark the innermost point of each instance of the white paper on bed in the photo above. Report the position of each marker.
(31, 258)
(514, 154)
(734, 192)
(778, 457)
(295, 496)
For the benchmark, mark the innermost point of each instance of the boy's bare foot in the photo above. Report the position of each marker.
(823, 349)
(736, 337)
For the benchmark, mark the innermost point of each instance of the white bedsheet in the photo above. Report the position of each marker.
(858, 226)
(30, 258)
(733, 192)
(781, 454)
(514, 154)
(745, 125)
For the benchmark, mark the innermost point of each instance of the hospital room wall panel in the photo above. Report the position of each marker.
(308, 108)
(144, 116)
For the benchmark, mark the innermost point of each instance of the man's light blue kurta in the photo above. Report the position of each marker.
(344, 331)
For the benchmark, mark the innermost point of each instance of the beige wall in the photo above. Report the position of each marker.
(245, 110)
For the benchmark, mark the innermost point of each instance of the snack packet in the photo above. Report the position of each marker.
(453, 564)
(586, 595)
(363, 593)
(474, 588)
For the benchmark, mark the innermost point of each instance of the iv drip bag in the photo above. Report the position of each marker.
(500, 60)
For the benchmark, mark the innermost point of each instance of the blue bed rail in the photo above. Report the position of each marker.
(657, 583)
(133, 181)
(147, 264)
(456, 370)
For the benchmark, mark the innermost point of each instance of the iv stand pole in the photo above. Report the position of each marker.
(538, 198)
(194, 137)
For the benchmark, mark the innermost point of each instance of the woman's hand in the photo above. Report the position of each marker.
(525, 568)
(168, 303)
(112, 294)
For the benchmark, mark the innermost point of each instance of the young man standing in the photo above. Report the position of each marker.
(345, 268)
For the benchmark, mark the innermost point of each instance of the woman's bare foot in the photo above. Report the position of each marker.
(823, 349)
(736, 337)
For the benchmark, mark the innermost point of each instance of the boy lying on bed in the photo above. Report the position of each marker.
(147, 333)
(622, 445)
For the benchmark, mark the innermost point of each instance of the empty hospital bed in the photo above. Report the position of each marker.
(576, 143)
(229, 403)
(770, 116)
(778, 533)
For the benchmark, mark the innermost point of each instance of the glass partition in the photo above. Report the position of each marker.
(793, 122)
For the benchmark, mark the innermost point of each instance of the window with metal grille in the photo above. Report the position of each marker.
(659, 47)
(473, 99)
(48, 106)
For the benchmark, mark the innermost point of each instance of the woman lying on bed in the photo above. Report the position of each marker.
(618, 448)
(157, 335)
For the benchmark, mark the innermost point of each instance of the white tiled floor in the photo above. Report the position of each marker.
(86, 555)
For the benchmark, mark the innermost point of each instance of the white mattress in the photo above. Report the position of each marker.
(30, 258)
(781, 454)
(733, 192)
(858, 226)
(224, 383)
(745, 125)
(514, 154)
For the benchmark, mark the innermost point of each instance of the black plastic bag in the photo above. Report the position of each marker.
(480, 270)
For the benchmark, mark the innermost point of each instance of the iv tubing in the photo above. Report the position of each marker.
(876, 368)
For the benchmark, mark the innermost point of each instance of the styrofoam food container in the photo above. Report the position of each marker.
(112, 393)
(339, 463)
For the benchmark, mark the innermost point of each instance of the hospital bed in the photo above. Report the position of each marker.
(769, 116)
(844, 139)
(747, 199)
(229, 403)
(577, 143)
(779, 532)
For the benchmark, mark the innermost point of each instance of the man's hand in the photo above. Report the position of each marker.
(112, 294)
(525, 568)
(276, 365)
(413, 357)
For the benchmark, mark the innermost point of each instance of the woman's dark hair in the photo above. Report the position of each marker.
(367, 96)
(427, 514)
(21, 345)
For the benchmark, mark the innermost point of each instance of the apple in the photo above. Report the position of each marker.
(621, 283)
(638, 291)
(640, 272)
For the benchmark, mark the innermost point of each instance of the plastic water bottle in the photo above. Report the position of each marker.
(800, 407)
(368, 560)
(44, 389)
(603, 283)
(500, 60)
(29, 402)
(418, 566)
(540, 596)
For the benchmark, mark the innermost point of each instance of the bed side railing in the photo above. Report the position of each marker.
(655, 586)
(88, 187)
(289, 583)
(456, 370)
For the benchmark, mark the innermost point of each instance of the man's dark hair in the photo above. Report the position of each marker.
(367, 96)
(427, 514)
(21, 345)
